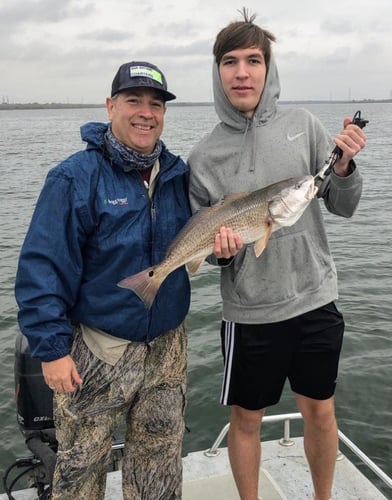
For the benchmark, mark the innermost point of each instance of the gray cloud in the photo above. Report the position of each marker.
(337, 26)
(52, 49)
(200, 48)
(186, 28)
(106, 36)
(43, 11)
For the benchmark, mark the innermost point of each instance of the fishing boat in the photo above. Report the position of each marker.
(284, 474)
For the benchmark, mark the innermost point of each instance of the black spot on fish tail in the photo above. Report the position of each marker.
(144, 284)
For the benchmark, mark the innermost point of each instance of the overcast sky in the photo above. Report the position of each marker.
(69, 50)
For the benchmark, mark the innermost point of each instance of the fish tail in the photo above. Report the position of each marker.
(145, 284)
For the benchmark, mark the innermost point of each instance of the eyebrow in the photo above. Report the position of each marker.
(249, 56)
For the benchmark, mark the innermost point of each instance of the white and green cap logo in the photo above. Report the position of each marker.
(146, 72)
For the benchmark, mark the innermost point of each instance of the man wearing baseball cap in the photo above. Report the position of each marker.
(141, 74)
(105, 213)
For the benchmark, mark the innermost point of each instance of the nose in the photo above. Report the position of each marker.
(145, 109)
(242, 70)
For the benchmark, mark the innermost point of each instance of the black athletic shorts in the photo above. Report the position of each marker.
(259, 358)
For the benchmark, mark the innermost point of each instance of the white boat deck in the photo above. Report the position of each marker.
(284, 474)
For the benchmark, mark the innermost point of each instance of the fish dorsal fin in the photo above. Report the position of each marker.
(260, 244)
(194, 265)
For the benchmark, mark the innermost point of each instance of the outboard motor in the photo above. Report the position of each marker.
(34, 403)
(34, 399)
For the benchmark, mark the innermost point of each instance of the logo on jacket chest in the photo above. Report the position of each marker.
(116, 201)
(294, 137)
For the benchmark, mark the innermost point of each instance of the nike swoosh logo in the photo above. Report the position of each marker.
(294, 137)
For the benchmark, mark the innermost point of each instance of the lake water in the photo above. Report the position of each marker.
(31, 142)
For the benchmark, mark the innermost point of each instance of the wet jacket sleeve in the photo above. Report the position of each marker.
(342, 194)
(50, 270)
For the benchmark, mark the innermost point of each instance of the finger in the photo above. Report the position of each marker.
(231, 241)
(76, 377)
(216, 250)
(50, 383)
(224, 241)
(234, 242)
(238, 241)
(225, 249)
(351, 141)
(350, 145)
(68, 388)
(355, 133)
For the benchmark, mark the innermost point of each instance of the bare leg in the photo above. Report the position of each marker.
(244, 450)
(320, 442)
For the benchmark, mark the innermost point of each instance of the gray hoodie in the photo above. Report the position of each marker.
(295, 273)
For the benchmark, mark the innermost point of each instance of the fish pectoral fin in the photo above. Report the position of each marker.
(194, 265)
(260, 244)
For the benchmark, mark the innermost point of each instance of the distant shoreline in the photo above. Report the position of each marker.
(55, 105)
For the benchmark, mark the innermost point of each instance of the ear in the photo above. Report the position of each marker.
(109, 107)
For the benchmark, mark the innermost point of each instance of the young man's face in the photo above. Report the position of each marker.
(137, 118)
(243, 72)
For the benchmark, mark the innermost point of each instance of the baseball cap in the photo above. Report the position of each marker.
(141, 74)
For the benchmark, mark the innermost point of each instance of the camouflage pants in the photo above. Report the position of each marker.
(146, 390)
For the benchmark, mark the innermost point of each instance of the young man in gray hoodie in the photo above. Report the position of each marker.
(279, 317)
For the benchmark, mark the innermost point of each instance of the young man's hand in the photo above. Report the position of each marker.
(227, 243)
(350, 140)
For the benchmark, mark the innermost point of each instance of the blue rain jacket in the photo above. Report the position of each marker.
(94, 225)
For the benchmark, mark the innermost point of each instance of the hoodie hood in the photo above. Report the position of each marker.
(265, 110)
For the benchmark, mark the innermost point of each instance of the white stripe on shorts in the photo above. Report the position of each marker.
(229, 348)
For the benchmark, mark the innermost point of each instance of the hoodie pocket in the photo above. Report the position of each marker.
(293, 264)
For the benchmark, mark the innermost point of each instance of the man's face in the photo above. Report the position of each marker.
(137, 118)
(243, 72)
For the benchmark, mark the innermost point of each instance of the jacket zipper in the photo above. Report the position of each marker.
(152, 214)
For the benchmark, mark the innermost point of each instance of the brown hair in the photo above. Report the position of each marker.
(241, 35)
